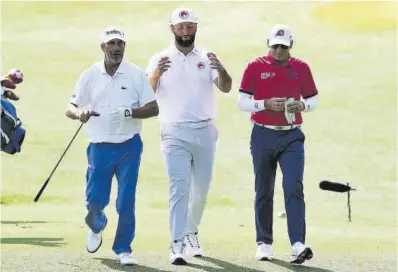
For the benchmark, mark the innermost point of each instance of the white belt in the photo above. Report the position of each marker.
(279, 127)
(194, 125)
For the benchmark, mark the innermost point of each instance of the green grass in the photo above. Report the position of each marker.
(351, 137)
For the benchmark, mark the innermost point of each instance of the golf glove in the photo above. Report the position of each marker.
(290, 117)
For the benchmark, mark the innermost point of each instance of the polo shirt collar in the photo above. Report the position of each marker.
(175, 51)
(120, 70)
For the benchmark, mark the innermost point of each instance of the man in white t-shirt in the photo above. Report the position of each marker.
(121, 95)
(182, 77)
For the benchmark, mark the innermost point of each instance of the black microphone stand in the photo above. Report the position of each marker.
(348, 203)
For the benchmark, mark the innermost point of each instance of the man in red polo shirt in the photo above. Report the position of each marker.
(276, 88)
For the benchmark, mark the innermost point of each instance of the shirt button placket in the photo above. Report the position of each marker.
(184, 60)
(112, 82)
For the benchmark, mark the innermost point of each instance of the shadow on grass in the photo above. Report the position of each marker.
(112, 263)
(227, 266)
(22, 222)
(223, 266)
(35, 241)
(297, 268)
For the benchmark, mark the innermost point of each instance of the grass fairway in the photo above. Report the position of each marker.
(350, 137)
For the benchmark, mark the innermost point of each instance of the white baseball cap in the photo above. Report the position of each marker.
(182, 15)
(111, 33)
(280, 34)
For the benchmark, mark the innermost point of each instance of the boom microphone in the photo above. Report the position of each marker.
(340, 188)
(334, 186)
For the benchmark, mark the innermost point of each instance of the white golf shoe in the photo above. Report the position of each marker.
(193, 248)
(264, 252)
(301, 253)
(126, 258)
(177, 253)
(94, 241)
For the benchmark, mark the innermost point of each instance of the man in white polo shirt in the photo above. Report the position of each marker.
(121, 94)
(182, 77)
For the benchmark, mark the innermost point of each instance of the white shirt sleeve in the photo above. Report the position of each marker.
(81, 93)
(152, 65)
(146, 93)
(247, 103)
(310, 103)
(214, 74)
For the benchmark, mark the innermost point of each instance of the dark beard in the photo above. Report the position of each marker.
(183, 43)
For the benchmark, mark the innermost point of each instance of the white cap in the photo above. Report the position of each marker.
(182, 15)
(280, 34)
(111, 33)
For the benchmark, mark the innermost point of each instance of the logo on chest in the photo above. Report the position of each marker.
(200, 65)
(293, 74)
(266, 75)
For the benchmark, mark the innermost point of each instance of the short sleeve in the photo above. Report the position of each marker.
(214, 74)
(80, 96)
(152, 65)
(308, 86)
(146, 93)
(247, 84)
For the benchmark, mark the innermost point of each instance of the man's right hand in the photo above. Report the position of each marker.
(163, 65)
(84, 115)
(275, 104)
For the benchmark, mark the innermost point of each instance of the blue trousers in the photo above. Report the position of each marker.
(104, 161)
(268, 147)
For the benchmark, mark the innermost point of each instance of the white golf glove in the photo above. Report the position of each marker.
(290, 117)
(118, 116)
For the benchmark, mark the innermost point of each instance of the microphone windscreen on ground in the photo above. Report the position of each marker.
(334, 186)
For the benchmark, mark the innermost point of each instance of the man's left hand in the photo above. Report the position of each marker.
(214, 62)
(295, 107)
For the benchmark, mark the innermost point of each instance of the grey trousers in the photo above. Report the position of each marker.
(189, 157)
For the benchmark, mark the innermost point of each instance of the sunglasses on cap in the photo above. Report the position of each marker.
(275, 46)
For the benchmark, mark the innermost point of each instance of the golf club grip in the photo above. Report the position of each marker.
(41, 190)
(59, 161)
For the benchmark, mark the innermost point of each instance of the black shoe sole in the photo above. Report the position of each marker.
(265, 259)
(306, 255)
(96, 248)
(106, 223)
(179, 261)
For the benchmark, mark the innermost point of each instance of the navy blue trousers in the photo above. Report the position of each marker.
(268, 147)
(104, 161)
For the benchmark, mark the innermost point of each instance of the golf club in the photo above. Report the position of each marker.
(93, 113)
